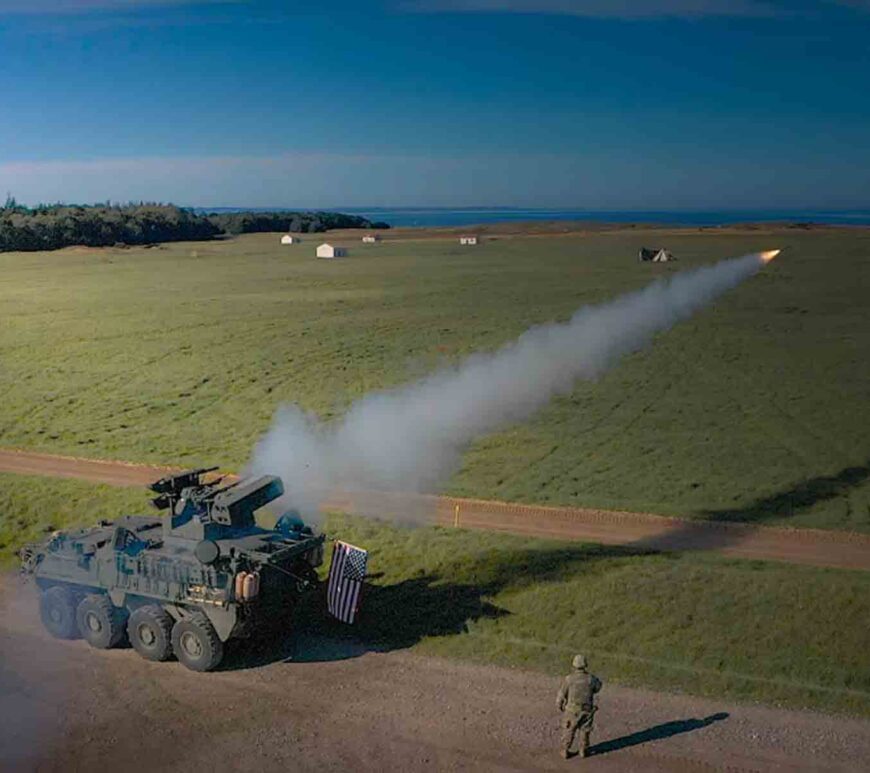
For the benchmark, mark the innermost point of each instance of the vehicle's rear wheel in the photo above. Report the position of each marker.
(196, 643)
(57, 608)
(101, 623)
(150, 632)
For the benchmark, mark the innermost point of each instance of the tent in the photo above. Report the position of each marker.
(656, 255)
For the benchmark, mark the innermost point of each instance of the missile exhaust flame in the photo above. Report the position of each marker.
(410, 439)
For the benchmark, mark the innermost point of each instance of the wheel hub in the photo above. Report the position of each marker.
(146, 635)
(93, 622)
(191, 644)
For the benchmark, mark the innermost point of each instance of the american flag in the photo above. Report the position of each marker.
(346, 574)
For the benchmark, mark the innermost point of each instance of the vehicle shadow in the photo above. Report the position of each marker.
(398, 615)
(657, 733)
(392, 617)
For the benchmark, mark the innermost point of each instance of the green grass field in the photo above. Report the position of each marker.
(754, 410)
(698, 623)
(29, 506)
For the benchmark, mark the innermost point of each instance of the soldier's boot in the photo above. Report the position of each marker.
(564, 754)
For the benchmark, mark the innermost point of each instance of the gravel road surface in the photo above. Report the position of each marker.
(315, 704)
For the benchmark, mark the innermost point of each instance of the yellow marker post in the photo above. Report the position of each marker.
(456, 517)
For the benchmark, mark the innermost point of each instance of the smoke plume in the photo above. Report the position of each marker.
(410, 439)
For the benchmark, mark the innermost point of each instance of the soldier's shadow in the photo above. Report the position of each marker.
(656, 733)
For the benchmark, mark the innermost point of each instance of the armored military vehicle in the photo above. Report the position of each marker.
(182, 584)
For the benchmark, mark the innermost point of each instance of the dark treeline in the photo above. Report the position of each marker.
(296, 222)
(49, 227)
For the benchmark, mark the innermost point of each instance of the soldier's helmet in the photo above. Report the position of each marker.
(579, 662)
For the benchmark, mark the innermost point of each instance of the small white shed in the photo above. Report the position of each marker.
(288, 239)
(329, 251)
(468, 239)
(371, 238)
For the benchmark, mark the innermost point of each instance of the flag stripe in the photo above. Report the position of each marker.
(335, 573)
(336, 581)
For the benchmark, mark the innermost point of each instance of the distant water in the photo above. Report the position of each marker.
(425, 216)
(460, 217)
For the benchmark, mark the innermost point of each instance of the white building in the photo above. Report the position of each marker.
(288, 239)
(468, 240)
(329, 251)
(371, 238)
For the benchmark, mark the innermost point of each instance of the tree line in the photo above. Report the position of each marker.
(51, 226)
(296, 222)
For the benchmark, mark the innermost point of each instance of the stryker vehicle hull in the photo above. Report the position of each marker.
(181, 585)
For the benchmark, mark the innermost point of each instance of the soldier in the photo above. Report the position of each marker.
(576, 701)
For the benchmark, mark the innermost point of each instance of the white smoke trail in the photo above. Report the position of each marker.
(410, 439)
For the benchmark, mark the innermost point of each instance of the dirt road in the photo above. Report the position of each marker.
(805, 546)
(112, 473)
(315, 704)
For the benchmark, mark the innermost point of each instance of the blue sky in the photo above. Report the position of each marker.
(597, 104)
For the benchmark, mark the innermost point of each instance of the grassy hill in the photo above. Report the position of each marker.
(754, 410)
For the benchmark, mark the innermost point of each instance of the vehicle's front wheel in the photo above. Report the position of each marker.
(150, 632)
(57, 608)
(100, 622)
(196, 643)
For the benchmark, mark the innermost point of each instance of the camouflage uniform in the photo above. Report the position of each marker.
(576, 701)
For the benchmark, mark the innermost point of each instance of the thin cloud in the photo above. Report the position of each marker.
(597, 180)
(632, 9)
(621, 9)
(35, 7)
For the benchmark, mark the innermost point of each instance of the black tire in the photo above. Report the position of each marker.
(196, 643)
(150, 631)
(101, 624)
(57, 608)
